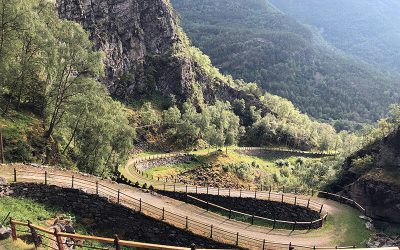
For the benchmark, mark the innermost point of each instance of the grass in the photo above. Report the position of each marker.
(347, 228)
(168, 170)
(38, 213)
(20, 131)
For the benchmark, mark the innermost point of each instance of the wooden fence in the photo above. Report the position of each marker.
(53, 239)
(160, 213)
(276, 195)
(274, 223)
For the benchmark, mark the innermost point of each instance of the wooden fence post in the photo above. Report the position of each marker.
(229, 193)
(255, 194)
(34, 234)
(237, 239)
(59, 242)
(163, 214)
(308, 203)
(72, 182)
(118, 194)
(97, 188)
(15, 175)
(295, 200)
(13, 230)
(263, 246)
(140, 205)
(230, 213)
(116, 243)
(45, 178)
(320, 211)
(240, 193)
(211, 231)
(187, 223)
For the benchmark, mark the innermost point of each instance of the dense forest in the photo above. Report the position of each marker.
(255, 41)
(367, 29)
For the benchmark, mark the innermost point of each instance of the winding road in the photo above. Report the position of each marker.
(326, 237)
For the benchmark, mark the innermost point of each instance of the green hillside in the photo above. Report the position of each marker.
(368, 29)
(255, 41)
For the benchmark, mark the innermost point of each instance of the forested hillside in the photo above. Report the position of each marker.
(255, 41)
(55, 110)
(368, 29)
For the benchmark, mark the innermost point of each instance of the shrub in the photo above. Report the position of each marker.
(284, 172)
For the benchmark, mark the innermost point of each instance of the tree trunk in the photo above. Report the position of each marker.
(1, 149)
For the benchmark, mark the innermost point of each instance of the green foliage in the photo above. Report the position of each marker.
(254, 41)
(287, 126)
(215, 124)
(48, 66)
(360, 165)
(148, 115)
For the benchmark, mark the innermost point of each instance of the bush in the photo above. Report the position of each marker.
(284, 172)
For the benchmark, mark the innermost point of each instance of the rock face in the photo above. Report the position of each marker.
(139, 38)
(371, 177)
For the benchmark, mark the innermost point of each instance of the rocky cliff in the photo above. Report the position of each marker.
(139, 38)
(371, 176)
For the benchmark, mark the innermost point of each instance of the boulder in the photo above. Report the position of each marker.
(5, 233)
(3, 181)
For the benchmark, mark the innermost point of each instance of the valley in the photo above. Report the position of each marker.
(157, 124)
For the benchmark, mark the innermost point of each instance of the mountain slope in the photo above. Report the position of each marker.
(146, 51)
(255, 41)
(371, 177)
(368, 29)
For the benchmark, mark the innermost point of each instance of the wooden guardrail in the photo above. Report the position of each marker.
(285, 150)
(56, 240)
(160, 213)
(269, 189)
(293, 225)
